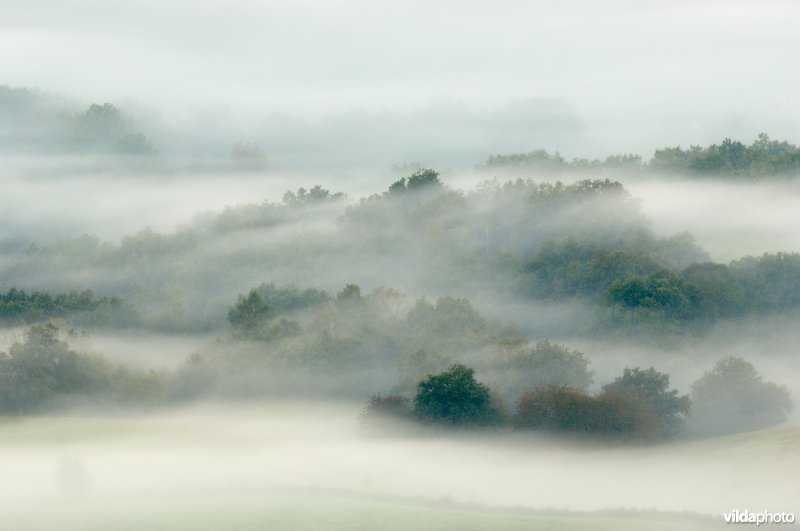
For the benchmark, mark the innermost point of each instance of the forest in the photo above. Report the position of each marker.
(381, 303)
(399, 265)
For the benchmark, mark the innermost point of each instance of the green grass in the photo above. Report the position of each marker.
(303, 513)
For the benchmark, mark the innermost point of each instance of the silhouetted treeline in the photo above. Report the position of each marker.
(80, 308)
(728, 159)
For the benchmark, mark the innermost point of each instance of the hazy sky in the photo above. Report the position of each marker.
(637, 74)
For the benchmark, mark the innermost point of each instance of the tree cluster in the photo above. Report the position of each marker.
(637, 406)
(43, 373)
(730, 159)
(641, 285)
(80, 308)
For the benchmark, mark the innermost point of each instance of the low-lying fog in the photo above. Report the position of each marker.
(729, 220)
(112, 206)
(215, 104)
(305, 445)
(133, 348)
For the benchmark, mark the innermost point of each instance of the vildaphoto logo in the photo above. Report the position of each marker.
(764, 517)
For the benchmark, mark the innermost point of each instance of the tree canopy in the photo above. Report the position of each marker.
(652, 387)
(454, 398)
(733, 397)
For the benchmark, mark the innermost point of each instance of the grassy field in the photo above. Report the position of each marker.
(308, 513)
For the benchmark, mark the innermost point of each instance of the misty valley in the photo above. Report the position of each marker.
(210, 342)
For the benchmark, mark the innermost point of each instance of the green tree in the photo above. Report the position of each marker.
(662, 294)
(454, 398)
(421, 179)
(317, 194)
(350, 294)
(249, 312)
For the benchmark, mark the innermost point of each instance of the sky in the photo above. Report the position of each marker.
(608, 76)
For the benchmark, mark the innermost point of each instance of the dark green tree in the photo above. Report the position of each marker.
(421, 179)
(454, 398)
(662, 293)
(249, 313)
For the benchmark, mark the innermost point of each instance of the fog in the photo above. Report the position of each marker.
(112, 206)
(672, 71)
(315, 453)
(231, 233)
(729, 220)
(290, 447)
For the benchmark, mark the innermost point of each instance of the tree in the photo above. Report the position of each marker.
(720, 296)
(42, 368)
(385, 407)
(662, 293)
(350, 294)
(421, 364)
(611, 414)
(424, 178)
(522, 366)
(449, 324)
(315, 195)
(552, 407)
(454, 398)
(652, 387)
(733, 397)
(770, 282)
(249, 312)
